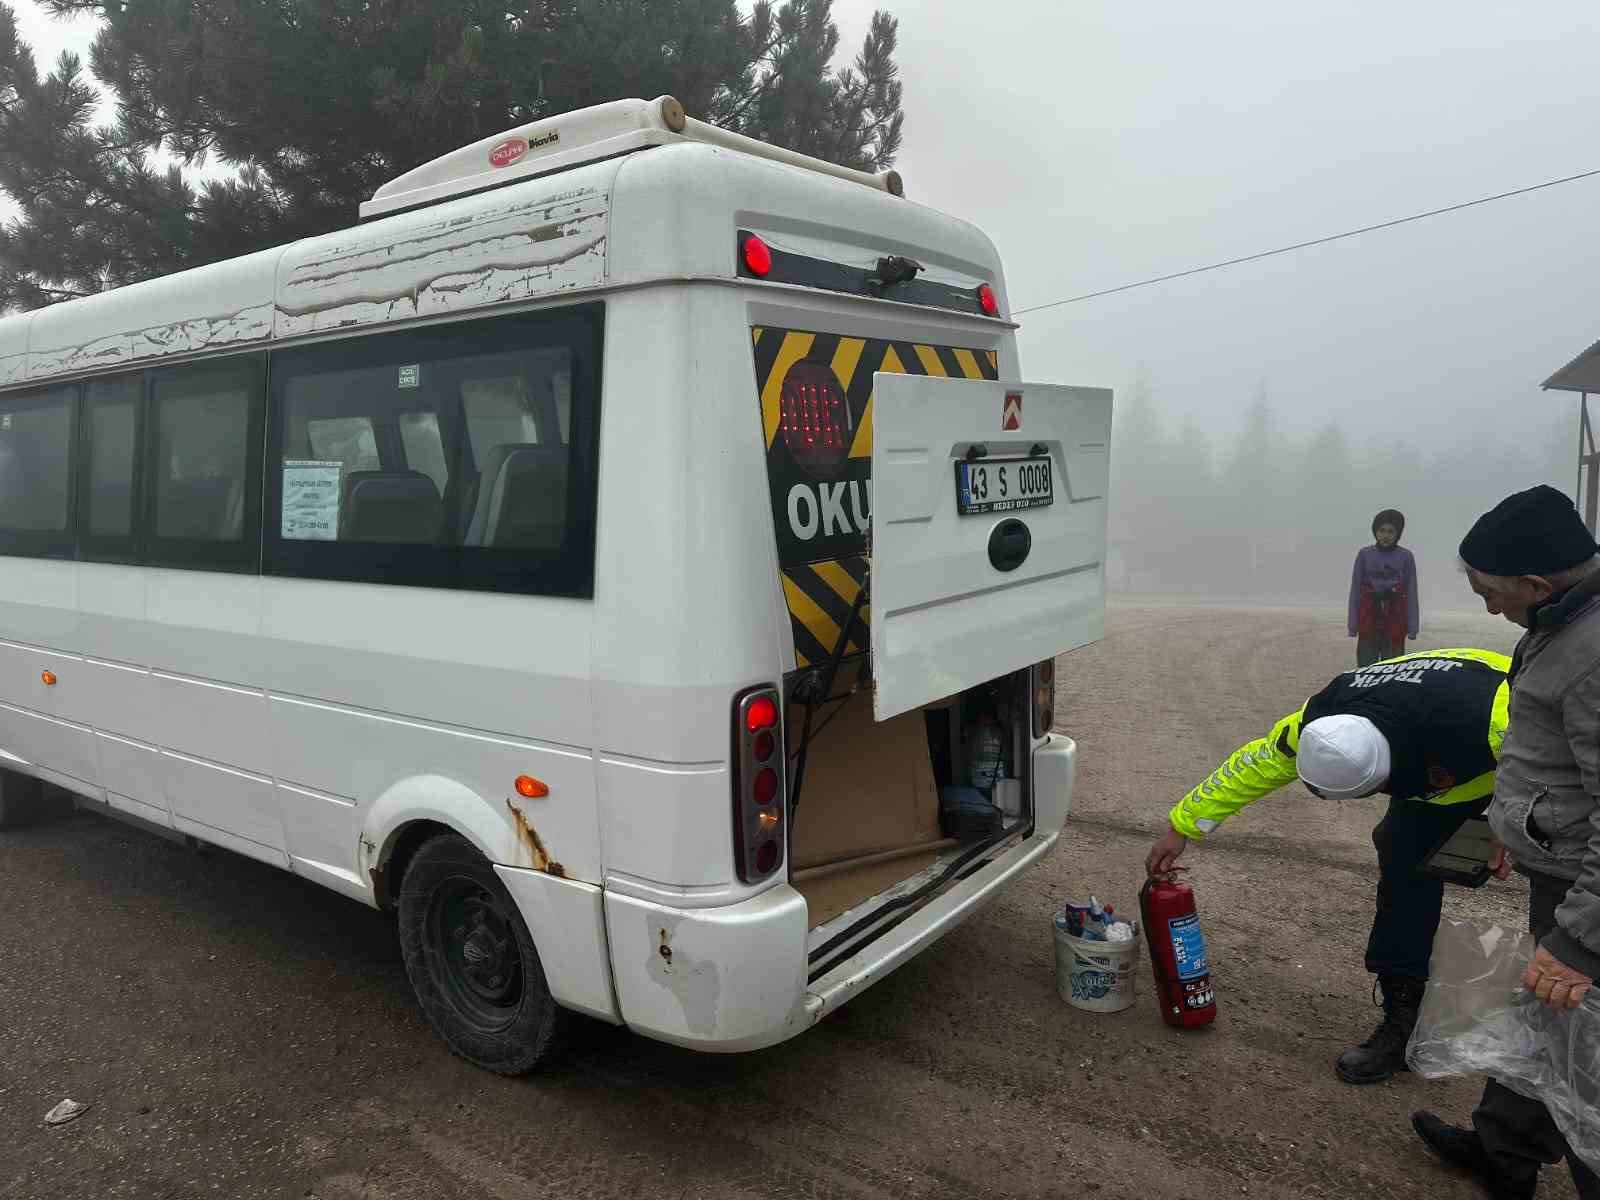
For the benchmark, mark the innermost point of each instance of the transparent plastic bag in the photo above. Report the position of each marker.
(1477, 1019)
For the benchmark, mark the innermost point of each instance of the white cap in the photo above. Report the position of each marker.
(1343, 757)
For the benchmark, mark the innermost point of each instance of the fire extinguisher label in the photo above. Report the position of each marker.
(1188, 946)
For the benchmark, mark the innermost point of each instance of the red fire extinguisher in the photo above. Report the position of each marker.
(1177, 953)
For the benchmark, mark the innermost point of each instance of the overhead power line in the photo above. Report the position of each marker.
(1321, 241)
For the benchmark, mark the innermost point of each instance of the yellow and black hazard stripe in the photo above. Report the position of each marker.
(821, 577)
(820, 596)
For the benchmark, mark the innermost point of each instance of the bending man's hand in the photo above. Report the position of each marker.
(1164, 854)
(1556, 985)
(1499, 861)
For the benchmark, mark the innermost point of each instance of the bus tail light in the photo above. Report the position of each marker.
(757, 256)
(758, 784)
(1042, 691)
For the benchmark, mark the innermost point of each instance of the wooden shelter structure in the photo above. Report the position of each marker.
(1582, 375)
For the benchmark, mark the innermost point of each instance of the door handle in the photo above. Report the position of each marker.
(1009, 545)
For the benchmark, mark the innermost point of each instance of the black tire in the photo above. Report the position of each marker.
(472, 961)
(21, 800)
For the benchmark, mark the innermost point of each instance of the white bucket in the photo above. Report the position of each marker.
(1098, 976)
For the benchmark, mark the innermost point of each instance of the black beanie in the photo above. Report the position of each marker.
(1536, 532)
(1390, 516)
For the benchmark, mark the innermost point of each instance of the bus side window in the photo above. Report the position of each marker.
(36, 463)
(111, 421)
(424, 448)
(205, 459)
(499, 413)
(481, 472)
(348, 440)
(200, 471)
(561, 393)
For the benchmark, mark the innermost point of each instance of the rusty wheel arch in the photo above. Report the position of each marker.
(391, 867)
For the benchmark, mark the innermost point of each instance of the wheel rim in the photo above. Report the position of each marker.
(477, 962)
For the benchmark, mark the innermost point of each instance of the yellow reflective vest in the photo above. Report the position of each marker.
(1443, 711)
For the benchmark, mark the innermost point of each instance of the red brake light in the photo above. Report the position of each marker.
(988, 301)
(757, 256)
(761, 714)
(816, 419)
(759, 821)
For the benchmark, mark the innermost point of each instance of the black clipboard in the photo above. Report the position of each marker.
(1462, 857)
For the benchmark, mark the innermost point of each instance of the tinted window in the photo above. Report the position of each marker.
(458, 456)
(202, 428)
(500, 409)
(202, 468)
(36, 462)
(348, 439)
(111, 420)
(423, 446)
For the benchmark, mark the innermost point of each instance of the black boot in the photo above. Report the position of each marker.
(1384, 1053)
(1462, 1148)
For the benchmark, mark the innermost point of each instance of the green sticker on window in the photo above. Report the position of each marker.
(410, 376)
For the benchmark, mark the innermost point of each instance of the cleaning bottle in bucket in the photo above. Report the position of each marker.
(1177, 953)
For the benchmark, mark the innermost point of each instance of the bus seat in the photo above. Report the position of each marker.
(390, 506)
(460, 503)
(522, 498)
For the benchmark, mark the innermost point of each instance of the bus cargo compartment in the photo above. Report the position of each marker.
(988, 531)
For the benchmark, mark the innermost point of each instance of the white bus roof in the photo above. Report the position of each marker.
(656, 205)
(572, 139)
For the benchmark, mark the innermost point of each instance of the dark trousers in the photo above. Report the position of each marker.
(1401, 942)
(1519, 1133)
(1373, 647)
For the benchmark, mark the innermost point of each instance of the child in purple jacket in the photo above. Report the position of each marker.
(1383, 593)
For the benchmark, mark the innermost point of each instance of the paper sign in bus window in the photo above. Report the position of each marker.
(311, 492)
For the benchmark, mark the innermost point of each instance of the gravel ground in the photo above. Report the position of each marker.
(240, 1032)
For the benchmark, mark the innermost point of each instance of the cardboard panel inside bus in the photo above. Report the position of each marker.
(868, 788)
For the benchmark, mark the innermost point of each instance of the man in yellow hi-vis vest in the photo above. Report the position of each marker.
(1426, 730)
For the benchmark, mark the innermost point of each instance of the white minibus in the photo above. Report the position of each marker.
(628, 553)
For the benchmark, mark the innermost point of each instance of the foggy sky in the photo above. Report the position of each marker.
(1099, 143)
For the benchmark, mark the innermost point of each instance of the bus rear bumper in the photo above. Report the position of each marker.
(734, 978)
(721, 979)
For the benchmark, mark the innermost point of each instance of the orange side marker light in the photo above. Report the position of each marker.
(48, 678)
(533, 789)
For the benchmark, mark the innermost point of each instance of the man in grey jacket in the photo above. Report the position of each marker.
(1532, 561)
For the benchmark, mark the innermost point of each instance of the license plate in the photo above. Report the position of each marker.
(1003, 485)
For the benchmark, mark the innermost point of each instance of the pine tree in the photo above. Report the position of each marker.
(317, 102)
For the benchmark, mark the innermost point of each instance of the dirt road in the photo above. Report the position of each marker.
(242, 1033)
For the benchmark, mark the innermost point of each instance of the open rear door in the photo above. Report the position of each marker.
(988, 531)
